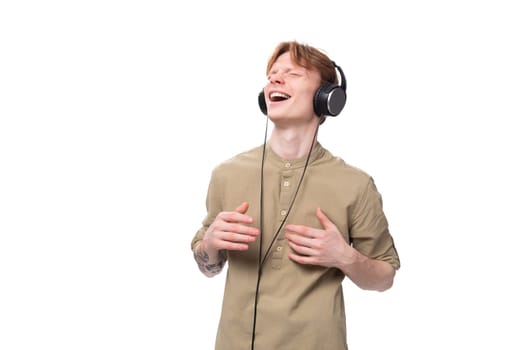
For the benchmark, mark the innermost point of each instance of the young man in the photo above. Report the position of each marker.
(291, 220)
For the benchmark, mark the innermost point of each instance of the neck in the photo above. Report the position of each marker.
(293, 143)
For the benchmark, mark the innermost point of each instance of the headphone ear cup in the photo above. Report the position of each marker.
(329, 100)
(320, 99)
(262, 103)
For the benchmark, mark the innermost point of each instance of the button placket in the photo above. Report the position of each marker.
(285, 197)
(278, 253)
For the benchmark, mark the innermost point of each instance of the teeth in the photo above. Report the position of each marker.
(279, 94)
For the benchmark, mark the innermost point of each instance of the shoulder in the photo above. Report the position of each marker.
(339, 170)
(240, 162)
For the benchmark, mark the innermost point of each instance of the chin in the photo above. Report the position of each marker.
(275, 116)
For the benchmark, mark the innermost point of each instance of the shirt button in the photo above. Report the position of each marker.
(283, 212)
(286, 183)
(279, 248)
(287, 165)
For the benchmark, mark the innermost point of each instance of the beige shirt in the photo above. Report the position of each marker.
(299, 306)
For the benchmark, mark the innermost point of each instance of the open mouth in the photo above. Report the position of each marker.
(278, 96)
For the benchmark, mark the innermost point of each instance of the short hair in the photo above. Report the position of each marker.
(307, 57)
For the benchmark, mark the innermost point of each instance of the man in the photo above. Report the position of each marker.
(291, 220)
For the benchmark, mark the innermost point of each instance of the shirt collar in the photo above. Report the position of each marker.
(317, 152)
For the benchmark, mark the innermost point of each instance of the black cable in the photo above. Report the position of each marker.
(261, 224)
(261, 219)
(293, 199)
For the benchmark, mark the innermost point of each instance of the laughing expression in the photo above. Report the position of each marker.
(290, 90)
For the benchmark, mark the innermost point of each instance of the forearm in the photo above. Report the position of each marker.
(210, 262)
(366, 273)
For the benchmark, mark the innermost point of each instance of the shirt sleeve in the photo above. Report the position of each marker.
(213, 207)
(369, 232)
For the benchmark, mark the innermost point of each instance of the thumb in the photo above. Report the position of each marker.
(323, 219)
(243, 208)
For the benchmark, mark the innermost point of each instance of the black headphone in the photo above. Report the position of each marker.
(329, 99)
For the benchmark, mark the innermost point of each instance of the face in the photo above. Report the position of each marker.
(290, 91)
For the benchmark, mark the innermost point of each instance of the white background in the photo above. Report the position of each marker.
(113, 113)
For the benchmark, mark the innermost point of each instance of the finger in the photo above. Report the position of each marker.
(243, 208)
(234, 216)
(303, 231)
(298, 239)
(238, 229)
(323, 219)
(301, 249)
(236, 237)
(304, 260)
(232, 246)
(238, 215)
(298, 229)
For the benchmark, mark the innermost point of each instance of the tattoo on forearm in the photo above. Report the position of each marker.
(203, 259)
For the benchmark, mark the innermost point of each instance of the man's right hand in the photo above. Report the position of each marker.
(230, 231)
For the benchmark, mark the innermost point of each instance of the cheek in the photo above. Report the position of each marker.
(303, 95)
(308, 93)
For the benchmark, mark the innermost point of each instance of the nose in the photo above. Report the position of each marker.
(276, 78)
